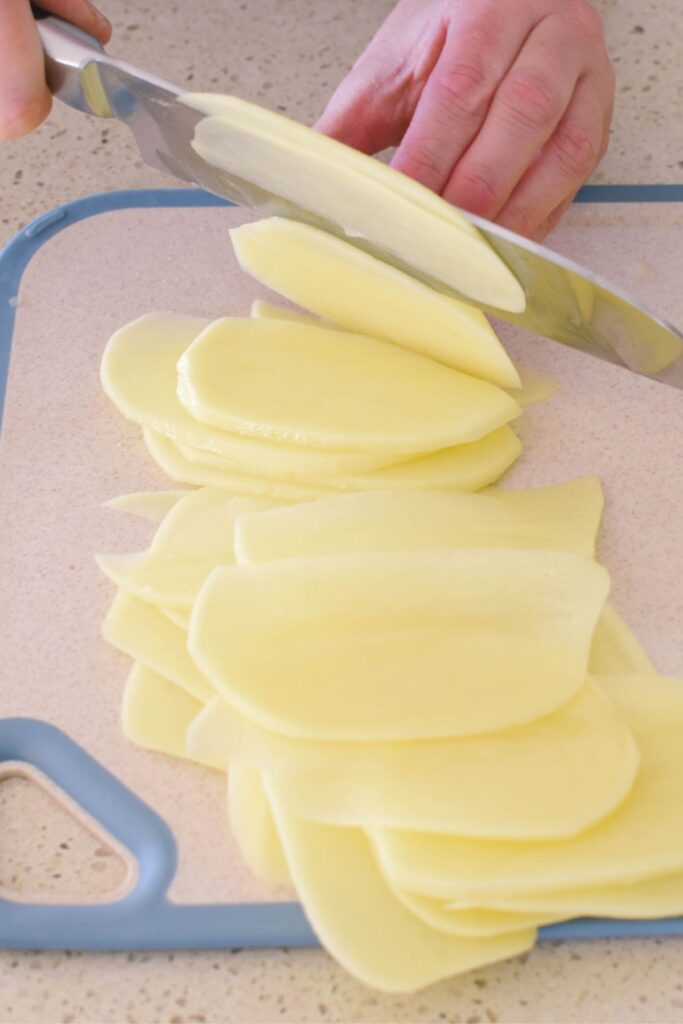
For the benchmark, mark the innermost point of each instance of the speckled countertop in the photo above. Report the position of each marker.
(289, 54)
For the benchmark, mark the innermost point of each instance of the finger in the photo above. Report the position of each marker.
(455, 101)
(24, 98)
(371, 108)
(525, 111)
(551, 222)
(567, 160)
(81, 13)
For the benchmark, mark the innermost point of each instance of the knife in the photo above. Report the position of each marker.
(564, 301)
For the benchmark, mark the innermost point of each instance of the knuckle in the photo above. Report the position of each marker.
(577, 150)
(465, 88)
(530, 100)
(475, 191)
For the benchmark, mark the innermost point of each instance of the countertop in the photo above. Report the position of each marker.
(289, 54)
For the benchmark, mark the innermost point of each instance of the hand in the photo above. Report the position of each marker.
(501, 106)
(25, 100)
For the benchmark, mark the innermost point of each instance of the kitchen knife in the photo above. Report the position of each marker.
(564, 301)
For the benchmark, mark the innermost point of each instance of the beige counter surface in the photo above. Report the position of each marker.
(289, 54)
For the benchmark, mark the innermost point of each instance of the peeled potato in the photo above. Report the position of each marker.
(156, 713)
(643, 838)
(362, 923)
(465, 467)
(141, 631)
(152, 505)
(194, 537)
(139, 374)
(550, 778)
(399, 645)
(336, 185)
(339, 282)
(262, 310)
(304, 384)
(473, 922)
(615, 649)
(563, 517)
(253, 827)
(178, 616)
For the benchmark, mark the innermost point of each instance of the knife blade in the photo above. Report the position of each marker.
(564, 301)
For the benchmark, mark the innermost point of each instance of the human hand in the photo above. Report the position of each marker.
(501, 106)
(25, 100)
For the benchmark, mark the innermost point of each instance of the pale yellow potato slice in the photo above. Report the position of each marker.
(195, 537)
(399, 644)
(550, 778)
(561, 517)
(304, 384)
(475, 921)
(253, 826)
(262, 310)
(643, 838)
(615, 649)
(536, 387)
(141, 631)
(371, 202)
(644, 898)
(139, 375)
(169, 457)
(339, 282)
(359, 920)
(152, 505)
(465, 467)
(156, 713)
(178, 616)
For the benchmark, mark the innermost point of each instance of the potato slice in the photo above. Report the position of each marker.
(178, 616)
(465, 467)
(550, 778)
(372, 203)
(399, 645)
(339, 282)
(253, 826)
(361, 923)
(474, 922)
(141, 631)
(195, 537)
(156, 713)
(643, 838)
(262, 310)
(615, 649)
(304, 384)
(152, 505)
(169, 457)
(139, 374)
(562, 517)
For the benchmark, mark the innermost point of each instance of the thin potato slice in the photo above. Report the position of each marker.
(550, 778)
(195, 537)
(474, 922)
(139, 374)
(361, 923)
(616, 650)
(339, 282)
(262, 310)
(156, 713)
(141, 631)
(465, 467)
(304, 384)
(253, 826)
(562, 517)
(152, 505)
(169, 457)
(399, 645)
(336, 185)
(643, 838)
(178, 616)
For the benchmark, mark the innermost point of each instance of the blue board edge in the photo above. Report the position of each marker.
(145, 918)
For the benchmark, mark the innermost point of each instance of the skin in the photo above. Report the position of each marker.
(25, 100)
(501, 106)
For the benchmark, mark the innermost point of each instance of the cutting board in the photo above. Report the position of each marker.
(66, 283)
